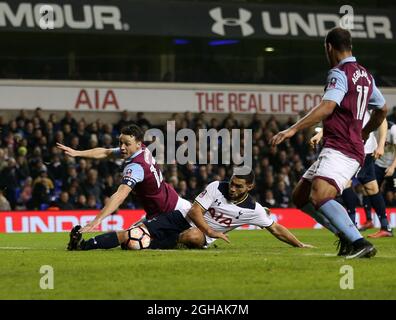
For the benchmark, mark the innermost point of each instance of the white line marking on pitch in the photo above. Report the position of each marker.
(25, 248)
(14, 248)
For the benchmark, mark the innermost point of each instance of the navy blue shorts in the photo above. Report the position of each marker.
(367, 172)
(380, 174)
(165, 229)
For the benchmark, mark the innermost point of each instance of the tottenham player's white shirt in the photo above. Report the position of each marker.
(223, 215)
(371, 143)
(390, 147)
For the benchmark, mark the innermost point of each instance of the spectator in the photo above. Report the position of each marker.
(174, 181)
(392, 116)
(3, 159)
(182, 189)
(193, 190)
(203, 178)
(82, 135)
(26, 193)
(63, 202)
(92, 187)
(281, 195)
(39, 115)
(91, 202)
(42, 187)
(4, 204)
(269, 200)
(44, 179)
(390, 199)
(56, 168)
(68, 119)
(22, 166)
(74, 193)
(142, 121)
(81, 202)
(124, 121)
(10, 181)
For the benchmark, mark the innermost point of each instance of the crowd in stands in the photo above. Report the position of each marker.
(36, 175)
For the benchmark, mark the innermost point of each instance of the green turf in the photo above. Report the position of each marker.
(254, 266)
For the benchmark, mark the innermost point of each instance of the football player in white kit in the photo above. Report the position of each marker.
(385, 166)
(220, 208)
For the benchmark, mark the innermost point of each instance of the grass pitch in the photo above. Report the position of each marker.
(254, 266)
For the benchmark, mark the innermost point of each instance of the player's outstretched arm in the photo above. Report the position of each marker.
(283, 234)
(382, 133)
(112, 205)
(196, 214)
(317, 114)
(376, 119)
(96, 153)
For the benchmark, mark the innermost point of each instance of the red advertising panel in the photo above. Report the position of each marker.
(62, 221)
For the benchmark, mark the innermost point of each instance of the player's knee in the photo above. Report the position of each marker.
(297, 199)
(300, 194)
(371, 188)
(321, 192)
(193, 238)
(122, 236)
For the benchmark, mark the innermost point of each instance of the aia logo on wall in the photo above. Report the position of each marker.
(98, 99)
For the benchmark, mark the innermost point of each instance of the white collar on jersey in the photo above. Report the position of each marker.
(135, 154)
(347, 59)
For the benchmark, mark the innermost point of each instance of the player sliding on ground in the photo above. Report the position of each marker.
(220, 208)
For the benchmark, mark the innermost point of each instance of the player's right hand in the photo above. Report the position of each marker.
(69, 151)
(389, 171)
(379, 152)
(314, 141)
(218, 235)
(283, 135)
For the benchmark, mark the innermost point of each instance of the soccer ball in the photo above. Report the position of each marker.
(138, 238)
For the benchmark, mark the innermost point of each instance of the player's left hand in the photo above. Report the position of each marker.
(306, 245)
(283, 135)
(90, 227)
(379, 152)
(218, 235)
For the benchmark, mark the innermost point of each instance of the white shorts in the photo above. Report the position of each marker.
(183, 206)
(334, 167)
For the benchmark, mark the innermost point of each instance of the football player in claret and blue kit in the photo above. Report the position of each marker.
(140, 173)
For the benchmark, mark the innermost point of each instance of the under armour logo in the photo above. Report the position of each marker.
(241, 21)
(218, 202)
